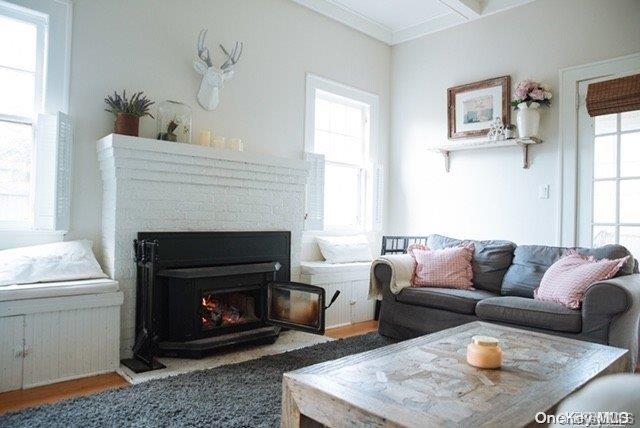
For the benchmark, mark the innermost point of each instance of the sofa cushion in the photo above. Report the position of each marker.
(490, 260)
(42, 290)
(530, 262)
(450, 299)
(530, 313)
(323, 267)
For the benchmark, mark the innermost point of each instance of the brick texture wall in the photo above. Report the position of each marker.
(151, 185)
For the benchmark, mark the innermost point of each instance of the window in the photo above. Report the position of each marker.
(22, 47)
(35, 133)
(616, 180)
(341, 127)
(340, 134)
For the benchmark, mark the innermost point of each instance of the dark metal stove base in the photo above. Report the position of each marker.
(210, 345)
(138, 366)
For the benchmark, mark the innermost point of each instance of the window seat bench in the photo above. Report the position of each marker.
(55, 331)
(352, 280)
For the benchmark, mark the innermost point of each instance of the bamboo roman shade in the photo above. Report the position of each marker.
(614, 96)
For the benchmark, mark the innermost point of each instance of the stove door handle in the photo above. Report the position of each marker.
(333, 299)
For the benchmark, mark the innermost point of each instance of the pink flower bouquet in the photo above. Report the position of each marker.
(529, 91)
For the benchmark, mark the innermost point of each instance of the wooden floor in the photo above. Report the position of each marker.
(352, 330)
(23, 398)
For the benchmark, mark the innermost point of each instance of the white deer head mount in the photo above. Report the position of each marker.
(213, 77)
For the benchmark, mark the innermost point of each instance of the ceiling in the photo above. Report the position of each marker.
(396, 21)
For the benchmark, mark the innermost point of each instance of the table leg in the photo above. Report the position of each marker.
(291, 416)
(290, 412)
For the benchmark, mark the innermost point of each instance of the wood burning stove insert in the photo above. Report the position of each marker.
(198, 292)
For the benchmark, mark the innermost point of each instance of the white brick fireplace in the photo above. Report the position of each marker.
(151, 185)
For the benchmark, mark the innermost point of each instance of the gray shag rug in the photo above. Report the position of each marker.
(246, 394)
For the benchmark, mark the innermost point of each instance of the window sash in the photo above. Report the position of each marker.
(361, 174)
(617, 179)
(358, 167)
(41, 23)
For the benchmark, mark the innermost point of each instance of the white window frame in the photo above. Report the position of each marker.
(53, 19)
(568, 150)
(359, 98)
(587, 223)
(41, 22)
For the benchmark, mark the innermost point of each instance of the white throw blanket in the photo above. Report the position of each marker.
(402, 268)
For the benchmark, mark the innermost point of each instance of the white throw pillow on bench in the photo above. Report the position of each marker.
(345, 249)
(62, 261)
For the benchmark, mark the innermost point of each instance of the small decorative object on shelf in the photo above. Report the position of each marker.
(235, 144)
(218, 142)
(213, 77)
(204, 138)
(174, 122)
(510, 131)
(496, 131)
(530, 95)
(128, 112)
(484, 353)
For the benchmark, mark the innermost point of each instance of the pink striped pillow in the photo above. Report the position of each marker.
(445, 268)
(567, 280)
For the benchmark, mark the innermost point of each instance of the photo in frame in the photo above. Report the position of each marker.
(473, 107)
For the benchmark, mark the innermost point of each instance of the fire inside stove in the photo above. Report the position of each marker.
(222, 310)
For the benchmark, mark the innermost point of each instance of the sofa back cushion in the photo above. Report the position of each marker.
(530, 263)
(491, 259)
(566, 281)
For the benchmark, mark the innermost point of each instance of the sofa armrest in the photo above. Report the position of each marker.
(605, 298)
(613, 306)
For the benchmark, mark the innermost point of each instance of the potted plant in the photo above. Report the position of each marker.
(170, 134)
(530, 95)
(128, 111)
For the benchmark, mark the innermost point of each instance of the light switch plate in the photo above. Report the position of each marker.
(543, 191)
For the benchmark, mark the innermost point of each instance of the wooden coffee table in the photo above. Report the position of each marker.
(427, 382)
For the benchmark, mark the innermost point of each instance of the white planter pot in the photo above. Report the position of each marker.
(528, 120)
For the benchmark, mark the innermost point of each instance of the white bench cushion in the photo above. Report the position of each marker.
(319, 268)
(57, 289)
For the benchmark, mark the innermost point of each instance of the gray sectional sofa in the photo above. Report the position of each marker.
(505, 276)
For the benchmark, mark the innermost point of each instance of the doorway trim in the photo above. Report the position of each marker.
(570, 78)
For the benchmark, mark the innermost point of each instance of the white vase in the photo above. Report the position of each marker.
(528, 120)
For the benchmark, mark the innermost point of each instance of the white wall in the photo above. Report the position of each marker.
(487, 194)
(150, 45)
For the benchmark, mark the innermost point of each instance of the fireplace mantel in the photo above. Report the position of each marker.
(147, 145)
(151, 185)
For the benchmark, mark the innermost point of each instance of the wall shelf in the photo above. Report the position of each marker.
(524, 143)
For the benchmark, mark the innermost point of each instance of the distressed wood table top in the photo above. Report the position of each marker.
(427, 382)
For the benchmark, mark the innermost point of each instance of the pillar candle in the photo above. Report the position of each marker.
(204, 138)
(235, 144)
(218, 142)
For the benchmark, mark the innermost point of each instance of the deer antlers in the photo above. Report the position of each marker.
(203, 52)
(204, 55)
(232, 58)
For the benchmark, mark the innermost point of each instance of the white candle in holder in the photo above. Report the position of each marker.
(218, 142)
(235, 144)
(204, 138)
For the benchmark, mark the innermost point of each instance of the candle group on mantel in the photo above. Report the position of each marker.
(207, 139)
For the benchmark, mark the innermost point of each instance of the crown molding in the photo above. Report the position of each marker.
(349, 18)
(431, 26)
(462, 11)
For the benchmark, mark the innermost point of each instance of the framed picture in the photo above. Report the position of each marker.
(473, 107)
